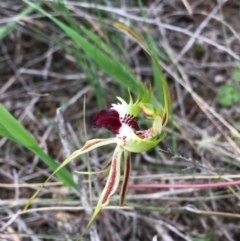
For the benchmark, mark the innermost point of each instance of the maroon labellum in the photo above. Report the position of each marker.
(109, 119)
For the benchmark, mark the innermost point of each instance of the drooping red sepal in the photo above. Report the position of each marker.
(127, 171)
(111, 184)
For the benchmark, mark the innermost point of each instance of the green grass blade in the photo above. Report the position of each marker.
(157, 76)
(89, 68)
(9, 27)
(61, 7)
(13, 130)
(112, 67)
(96, 39)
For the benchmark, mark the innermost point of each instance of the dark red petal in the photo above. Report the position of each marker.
(109, 119)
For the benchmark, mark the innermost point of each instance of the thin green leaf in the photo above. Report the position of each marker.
(111, 66)
(97, 40)
(10, 26)
(13, 130)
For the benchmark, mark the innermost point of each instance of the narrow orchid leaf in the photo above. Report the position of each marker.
(111, 185)
(140, 41)
(127, 172)
(89, 145)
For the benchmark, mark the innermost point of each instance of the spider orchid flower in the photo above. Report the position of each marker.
(122, 120)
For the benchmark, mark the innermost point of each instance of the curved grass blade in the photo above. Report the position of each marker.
(10, 26)
(112, 66)
(14, 131)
